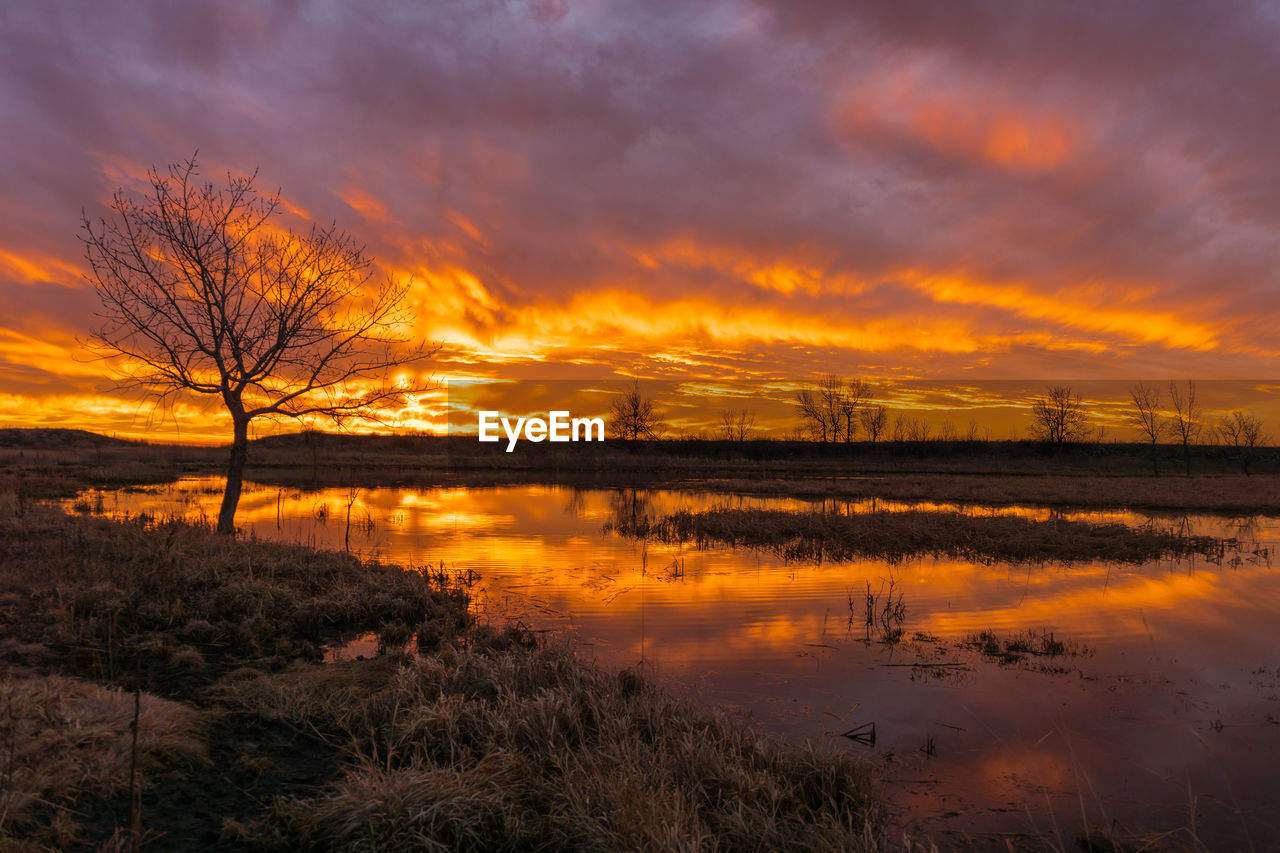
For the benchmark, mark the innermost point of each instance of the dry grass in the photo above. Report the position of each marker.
(63, 740)
(895, 536)
(478, 749)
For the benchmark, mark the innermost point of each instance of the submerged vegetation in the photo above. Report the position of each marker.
(1017, 648)
(896, 536)
(478, 741)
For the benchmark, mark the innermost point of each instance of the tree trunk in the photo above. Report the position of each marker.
(235, 476)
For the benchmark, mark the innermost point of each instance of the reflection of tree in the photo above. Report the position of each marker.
(1245, 529)
(631, 508)
(1183, 527)
(576, 503)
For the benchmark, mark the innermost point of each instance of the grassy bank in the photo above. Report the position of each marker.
(477, 740)
(896, 536)
(972, 472)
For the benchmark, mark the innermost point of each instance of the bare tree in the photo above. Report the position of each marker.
(633, 416)
(812, 423)
(874, 420)
(1059, 416)
(911, 429)
(1146, 417)
(1186, 418)
(816, 417)
(203, 293)
(830, 396)
(851, 398)
(830, 410)
(1242, 431)
(899, 432)
(737, 424)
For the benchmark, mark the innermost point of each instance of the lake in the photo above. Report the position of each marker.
(1162, 712)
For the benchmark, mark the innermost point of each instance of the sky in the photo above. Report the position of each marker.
(715, 191)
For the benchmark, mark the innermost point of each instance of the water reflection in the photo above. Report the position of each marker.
(1179, 701)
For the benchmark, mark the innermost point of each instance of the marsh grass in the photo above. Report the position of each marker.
(489, 748)
(897, 536)
(1018, 647)
(883, 610)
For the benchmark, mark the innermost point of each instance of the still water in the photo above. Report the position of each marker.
(1165, 717)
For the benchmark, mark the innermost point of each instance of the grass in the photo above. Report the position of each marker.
(65, 739)
(896, 536)
(1016, 648)
(477, 748)
(173, 603)
(479, 740)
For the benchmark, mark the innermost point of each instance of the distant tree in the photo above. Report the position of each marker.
(851, 398)
(919, 430)
(1059, 416)
(817, 420)
(1186, 418)
(813, 420)
(911, 429)
(203, 293)
(1242, 431)
(830, 410)
(737, 424)
(830, 395)
(633, 416)
(874, 420)
(1147, 419)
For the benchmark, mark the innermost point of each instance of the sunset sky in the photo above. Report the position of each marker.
(731, 191)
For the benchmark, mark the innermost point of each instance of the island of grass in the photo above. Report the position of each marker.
(899, 535)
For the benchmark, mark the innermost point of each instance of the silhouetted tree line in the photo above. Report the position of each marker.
(842, 410)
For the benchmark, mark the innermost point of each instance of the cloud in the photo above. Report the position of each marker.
(928, 188)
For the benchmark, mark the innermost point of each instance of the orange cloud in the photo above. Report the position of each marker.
(1075, 308)
(38, 268)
